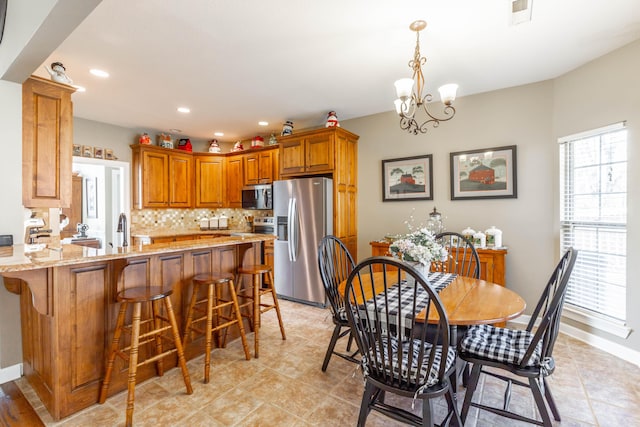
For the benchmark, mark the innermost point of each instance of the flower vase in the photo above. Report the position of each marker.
(424, 269)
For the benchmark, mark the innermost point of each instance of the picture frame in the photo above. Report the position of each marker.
(407, 178)
(98, 152)
(77, 150)
(108, 154)
(87, 151)
(488, 173)
(91, 188)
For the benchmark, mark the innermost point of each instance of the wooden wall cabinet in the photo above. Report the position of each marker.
(210, 174)
(329, 152)
(235, 181)
(162, 177)
(47, 143)
(492, 261)
(261, 167)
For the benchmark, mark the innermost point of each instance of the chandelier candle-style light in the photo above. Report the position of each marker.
(410, 103)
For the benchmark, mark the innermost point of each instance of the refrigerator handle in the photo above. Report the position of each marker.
(294, 238)
(289, 230)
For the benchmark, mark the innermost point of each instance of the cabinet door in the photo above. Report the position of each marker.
(265, 170)
(268, 255)
(251, 169)
(319, 154)
(210, 181)
(234, 182)
(155, 179)
(47, 139)
(292, 158)
(180, 181)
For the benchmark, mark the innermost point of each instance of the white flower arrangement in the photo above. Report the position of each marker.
(418, 246)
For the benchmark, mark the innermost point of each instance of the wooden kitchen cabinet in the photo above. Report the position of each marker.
(492, 261)
(268, 254)
(235, 181)
(261, 167)
(74, 211)
(47, 143)
(162, 177)
(210, 181)
(329, 152)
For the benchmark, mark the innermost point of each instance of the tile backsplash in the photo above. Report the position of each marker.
(145, 221)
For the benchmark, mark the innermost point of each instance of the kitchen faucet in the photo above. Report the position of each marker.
(122, 228)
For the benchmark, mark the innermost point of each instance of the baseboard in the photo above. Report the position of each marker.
(10, 373)
(600, 343)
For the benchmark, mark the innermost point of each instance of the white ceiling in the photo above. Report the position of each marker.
(236, 62)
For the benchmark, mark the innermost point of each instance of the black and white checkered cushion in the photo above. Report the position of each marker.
(500, 344)
(341, 314)
(425, 378)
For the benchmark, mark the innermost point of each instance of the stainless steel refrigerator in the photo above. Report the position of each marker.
(304, 215)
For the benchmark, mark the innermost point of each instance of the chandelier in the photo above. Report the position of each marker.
(411, 104)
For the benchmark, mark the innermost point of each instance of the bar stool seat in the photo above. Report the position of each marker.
(253, 297)
(210, 307)
(154, 331)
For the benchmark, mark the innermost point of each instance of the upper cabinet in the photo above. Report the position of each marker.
(331, 152)
(162, 177)
(210, 180)
(235, 181)
(307, 153)
(261, 167)
(47, 142)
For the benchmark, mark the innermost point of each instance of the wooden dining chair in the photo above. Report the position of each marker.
(463, 258)
(398, 355)
(335, 264)
(526, 353)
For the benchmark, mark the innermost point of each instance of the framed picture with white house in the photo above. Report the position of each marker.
(488, 173)
(407, 178)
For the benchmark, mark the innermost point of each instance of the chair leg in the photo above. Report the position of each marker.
(275, 302)
(176, 338)
(540, 403)
(332, 344)
(133, 361)
(551, 401)
(208, 337)
(115, 343)
(157, 324)
(471, 388)
(427, 411)
(455, 414)
(236, 310)
(369, 390)
(256, 315)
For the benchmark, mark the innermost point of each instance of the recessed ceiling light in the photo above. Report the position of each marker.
(218, 134)
(263, 123)
(99, 73)
(184, 110)
(79, 88)
(173, 130)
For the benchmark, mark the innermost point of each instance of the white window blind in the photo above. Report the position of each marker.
(593, 218)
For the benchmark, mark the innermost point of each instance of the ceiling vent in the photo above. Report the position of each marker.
(520, 11)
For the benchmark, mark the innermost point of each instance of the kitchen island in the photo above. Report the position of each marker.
(68, 306)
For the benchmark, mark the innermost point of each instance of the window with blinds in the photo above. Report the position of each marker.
(593, 218)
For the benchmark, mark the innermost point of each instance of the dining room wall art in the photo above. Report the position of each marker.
(407, 178)
(488, 173)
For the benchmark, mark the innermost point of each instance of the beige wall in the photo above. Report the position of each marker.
(531, 117)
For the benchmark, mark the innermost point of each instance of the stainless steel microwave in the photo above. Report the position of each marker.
(257, 197)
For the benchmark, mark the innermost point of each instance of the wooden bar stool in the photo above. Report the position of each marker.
(215, 305)
(257, 272)
(155, 327)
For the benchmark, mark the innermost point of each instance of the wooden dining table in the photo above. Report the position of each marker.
(466, 301)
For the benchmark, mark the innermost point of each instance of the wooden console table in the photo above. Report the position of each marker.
(491, 261)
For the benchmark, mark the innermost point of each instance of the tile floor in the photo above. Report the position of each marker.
(285, 386)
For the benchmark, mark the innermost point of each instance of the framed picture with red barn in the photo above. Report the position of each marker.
(407, 178)
(488, 173)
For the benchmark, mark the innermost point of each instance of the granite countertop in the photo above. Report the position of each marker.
(181, 232)
(19, 258)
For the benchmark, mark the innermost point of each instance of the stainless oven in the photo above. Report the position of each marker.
(264, 225)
